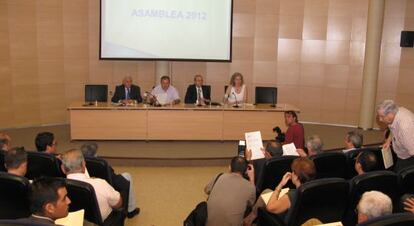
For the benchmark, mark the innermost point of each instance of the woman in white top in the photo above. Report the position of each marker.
(236, 90)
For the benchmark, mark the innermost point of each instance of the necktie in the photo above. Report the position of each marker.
(198, 94)
(128, 93)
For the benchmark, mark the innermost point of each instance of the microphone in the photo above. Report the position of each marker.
(273, 99)
(153, 97)
(235, 97)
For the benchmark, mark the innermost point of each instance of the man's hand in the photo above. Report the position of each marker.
(301, 152)
(409, 205)
(248, 154)
(250, 172)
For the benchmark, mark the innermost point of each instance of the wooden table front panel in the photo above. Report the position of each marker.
(185, 125)
(236, 123)
(108, 124)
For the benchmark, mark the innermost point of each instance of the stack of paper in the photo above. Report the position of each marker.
(255, 144)
(290, 149)
(387, 156)
(73, 219)
(266, 196)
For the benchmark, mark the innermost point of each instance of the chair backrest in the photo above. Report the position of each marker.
(98, 167)
(96, 93)
(330, 164)
(383, 181)
(14, 192)
(323, 199)
(397, 219)
(273, 172)
(42, 164)
(2, 167)
(266, 95)
(82, 196)
(407, 180)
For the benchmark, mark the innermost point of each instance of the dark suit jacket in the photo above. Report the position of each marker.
(120, 93)
(30, 221)
(191, 94)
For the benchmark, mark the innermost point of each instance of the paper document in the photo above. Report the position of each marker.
(387, 157)
(290, 149)
(266, 196)
(73, 219)
(255, 144)
(162, 98)
(331, 224)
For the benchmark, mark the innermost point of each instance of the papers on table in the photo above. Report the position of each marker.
(255, 144)
(73, 219)
(266, 196)
(162, 98)
(331, 224)
(387, 156)
(290, 149)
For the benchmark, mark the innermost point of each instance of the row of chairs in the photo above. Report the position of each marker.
(328, 164)
(335, 199)
(43, 164)
(14, 201)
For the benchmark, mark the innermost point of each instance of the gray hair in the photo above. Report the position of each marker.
(374, 204)
(388, 106)
(355, 138)
(127, 78)
(315, 144)
(89, 149)
(72, 161)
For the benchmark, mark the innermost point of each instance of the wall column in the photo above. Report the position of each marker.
(161, 68)
(371, 63)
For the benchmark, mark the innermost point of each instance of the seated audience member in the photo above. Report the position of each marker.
(48, 202)
(73, 165)
(303, 170)
(197, 93)
(236, 92)
(127, 92)
(46, 142)
(15, 162)
(314, 145)
(353, 140)
(373, 204)
(273, 149)
(295, 132)
(407, 201)
(122, 182)
(366, 161)
(5, 141)
(165, 93)
(230, 194)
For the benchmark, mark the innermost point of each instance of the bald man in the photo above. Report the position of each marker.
(127, 92)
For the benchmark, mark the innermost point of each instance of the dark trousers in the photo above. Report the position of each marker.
(403, 163)
(122, 186)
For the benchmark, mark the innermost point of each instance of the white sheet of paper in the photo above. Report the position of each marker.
(73, 219)
(266, 196)
(331, 224)
(290, 149)
(254, 142)
(162, 98)
(387, 156)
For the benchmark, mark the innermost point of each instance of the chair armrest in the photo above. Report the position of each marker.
(269, 219)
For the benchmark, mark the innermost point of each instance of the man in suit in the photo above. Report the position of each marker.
(197, 91)
(48, 201)
(126, 93)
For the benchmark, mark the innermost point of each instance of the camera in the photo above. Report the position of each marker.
(280, 136)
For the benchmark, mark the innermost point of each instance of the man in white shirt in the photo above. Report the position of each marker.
(165, 93)
(73, 165)
(400, 121)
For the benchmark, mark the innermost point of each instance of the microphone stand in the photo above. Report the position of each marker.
(273, 99)
(237, 104)
(155, 102)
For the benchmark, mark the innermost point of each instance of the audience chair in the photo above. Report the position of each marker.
(383, 181)
(14, 201)
(82, 196)
(273, 172)
(398, 219)
(407, 180)
(323, 199)
(330, 164)
(2, 167)
(42, 164)
(98, 167)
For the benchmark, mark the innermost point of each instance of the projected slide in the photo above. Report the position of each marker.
(166, 29)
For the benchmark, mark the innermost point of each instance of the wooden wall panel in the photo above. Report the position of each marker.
(312, 50)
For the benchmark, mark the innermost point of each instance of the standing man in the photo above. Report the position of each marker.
(400, 121)
(197, 93)
(127, 92)
(165, 93)
(295, 132)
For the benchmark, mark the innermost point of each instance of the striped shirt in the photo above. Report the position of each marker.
(402, 129)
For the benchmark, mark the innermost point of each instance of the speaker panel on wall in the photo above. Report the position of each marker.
(407, 39)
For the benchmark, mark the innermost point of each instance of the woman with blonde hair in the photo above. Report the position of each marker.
(236, 92)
